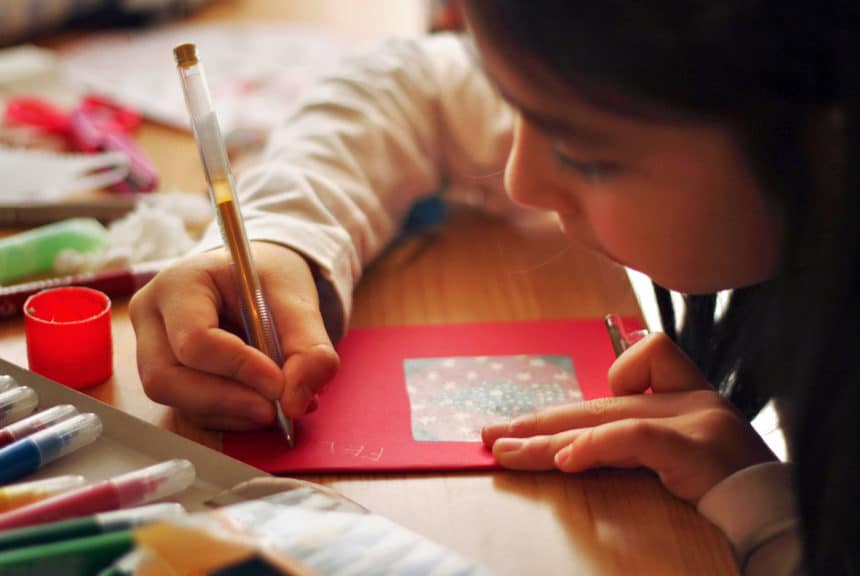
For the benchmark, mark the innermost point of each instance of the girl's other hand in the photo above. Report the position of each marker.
(189, 354)
(685, 431)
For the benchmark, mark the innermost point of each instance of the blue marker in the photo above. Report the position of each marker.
(16, 403)
(31, 453)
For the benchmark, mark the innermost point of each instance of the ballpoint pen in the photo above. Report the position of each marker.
(258, 322)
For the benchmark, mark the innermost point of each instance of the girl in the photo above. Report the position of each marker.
(710, 145)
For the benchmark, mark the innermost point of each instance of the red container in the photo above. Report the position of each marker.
(68, 333)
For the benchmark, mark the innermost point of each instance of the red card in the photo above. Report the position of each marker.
(415, 397)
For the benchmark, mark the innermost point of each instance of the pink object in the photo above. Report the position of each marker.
(68, 332)
(95, 125)
(367, 418)
(125, 491)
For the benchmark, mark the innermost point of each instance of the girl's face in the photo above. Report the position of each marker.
(673, 200)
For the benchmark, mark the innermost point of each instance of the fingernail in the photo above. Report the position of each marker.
(494, 429)
(562, 457)
(507, 445)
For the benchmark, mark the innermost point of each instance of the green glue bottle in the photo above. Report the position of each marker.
(33, 252)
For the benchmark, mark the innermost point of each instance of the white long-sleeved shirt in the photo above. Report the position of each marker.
(341, 172)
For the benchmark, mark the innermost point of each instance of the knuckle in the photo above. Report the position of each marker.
(706, 399)
(661, 341)
(135, 304)
(187, 344)
(524, 425)
(640, 429)
(538, 446)
(152, 382)
(601, 406)
(714, 425)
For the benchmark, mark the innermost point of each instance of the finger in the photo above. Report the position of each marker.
(657, 363)
(190, 316)
(635, 442)
(223, 422)
(535, 453)
(586, 414)
(200, 395)
(311, 359)
(306, 373)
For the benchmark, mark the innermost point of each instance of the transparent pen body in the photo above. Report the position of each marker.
(259, 326)
(256, 317)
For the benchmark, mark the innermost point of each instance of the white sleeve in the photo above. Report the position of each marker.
(755, 509)
(340, 173)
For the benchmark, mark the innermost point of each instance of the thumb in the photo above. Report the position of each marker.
(657, 363)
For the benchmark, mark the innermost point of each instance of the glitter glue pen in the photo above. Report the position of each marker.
(124, 491)
(24, 493)
(259, 325)
(7, 382)
(38, 421)
(93, 525)
(16, 403)
(31, 453)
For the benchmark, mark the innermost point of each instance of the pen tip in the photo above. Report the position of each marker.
(286, 426)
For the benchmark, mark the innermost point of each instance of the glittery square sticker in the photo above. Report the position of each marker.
(452, 398)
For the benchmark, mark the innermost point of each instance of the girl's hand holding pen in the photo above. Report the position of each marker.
(188, 358)
(684, 431)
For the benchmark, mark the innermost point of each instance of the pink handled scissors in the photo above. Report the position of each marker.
(94, 125)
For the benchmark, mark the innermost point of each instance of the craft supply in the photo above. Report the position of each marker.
(31, 453)
(125, 491)
(28, 214)
(43, 176)
(94, 125)
(76, 557)
(116, 282)
(79, 318)
(6, 381)
(258, 321)
(620, 338)
(36, 422)
(24, 493)
(89, 526)
(414, 398)
(34, 251)
(17, 403)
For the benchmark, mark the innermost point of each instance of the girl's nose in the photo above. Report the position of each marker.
(530, 173)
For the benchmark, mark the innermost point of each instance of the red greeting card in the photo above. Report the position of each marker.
(416, 397)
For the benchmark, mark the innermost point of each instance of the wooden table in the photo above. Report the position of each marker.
(476, 269)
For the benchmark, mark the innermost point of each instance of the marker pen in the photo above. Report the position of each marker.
(89, 525)
(17, 403)
(124, 491)
(17, 495)
(7, 382)
(79, 556)
(31, 453)
(36, 422)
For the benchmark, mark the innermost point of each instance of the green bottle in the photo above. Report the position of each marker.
(33, 252)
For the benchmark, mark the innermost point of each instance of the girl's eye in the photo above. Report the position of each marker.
(595, 171)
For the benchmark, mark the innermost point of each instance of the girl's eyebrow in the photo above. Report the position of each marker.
(557, 126)
(561, 127)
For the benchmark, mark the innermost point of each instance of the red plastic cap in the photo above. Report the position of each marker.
(68, 333)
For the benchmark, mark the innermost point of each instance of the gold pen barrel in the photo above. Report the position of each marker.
(259, 325)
